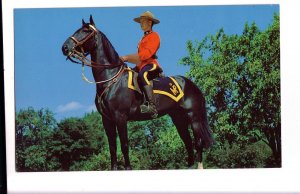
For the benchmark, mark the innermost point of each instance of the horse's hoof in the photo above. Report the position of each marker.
(114, 168)
(191, 167)
(128, 168)
(200, 165)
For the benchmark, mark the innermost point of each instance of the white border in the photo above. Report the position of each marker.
(251, 180)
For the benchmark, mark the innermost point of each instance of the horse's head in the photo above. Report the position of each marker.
(82, 41)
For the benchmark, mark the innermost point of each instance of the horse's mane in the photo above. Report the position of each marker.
(109, 50)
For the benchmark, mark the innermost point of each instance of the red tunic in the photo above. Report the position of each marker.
(148, 47)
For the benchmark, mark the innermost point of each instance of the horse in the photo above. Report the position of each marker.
(119, 104)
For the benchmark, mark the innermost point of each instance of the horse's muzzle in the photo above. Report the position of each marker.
(65, 50)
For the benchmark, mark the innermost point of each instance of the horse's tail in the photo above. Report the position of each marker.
(206, 133)
(199, 108)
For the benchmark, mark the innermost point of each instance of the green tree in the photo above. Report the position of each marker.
(240, 77)
(95, 132)
(153, 144)
(156, 144)
(72, 142)
(168, 152)
(81, 143)
(34, 131)
(99, 159)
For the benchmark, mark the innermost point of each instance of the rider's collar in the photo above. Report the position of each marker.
(148, 32)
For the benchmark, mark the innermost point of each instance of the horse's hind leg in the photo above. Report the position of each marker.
(182, 124)
(196, 127)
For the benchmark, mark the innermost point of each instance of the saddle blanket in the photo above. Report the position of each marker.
(167, 86)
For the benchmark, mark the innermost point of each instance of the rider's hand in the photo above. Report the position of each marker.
(124, 58)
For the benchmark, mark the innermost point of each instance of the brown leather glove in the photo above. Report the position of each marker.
(124, 59)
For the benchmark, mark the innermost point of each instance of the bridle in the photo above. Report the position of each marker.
(82, 56)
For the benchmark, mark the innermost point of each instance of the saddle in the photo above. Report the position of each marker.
(162, 85)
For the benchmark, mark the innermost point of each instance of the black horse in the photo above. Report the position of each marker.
(117, 104)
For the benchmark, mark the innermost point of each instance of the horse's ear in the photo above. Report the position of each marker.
(83, 22)
(92, 21)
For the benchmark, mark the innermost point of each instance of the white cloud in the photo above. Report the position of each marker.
(75, 106)
(71, 106)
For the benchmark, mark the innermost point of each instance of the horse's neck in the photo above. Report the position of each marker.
(99, 56)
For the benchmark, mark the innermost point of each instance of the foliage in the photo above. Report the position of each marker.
(42, 144)
(240, 77)
(254, 155)
(33, 133)
(70, 142)
(81, 144)
(156, 145)
(169, 151)
(153, 145)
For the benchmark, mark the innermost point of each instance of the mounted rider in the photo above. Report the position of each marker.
(146, 60)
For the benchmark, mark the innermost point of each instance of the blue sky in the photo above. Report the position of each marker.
(44, 79)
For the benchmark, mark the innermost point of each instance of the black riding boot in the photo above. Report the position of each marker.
(149, 107)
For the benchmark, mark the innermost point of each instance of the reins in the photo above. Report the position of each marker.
(81, 57)
(114, 78)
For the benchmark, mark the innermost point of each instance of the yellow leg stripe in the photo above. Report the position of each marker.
(145, 77)
(154, 67)
(130, 80)
(146, 73)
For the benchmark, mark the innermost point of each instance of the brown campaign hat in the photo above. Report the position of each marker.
(147, 15)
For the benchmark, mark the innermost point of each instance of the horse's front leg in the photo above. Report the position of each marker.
(123, 134)
(110, 129)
